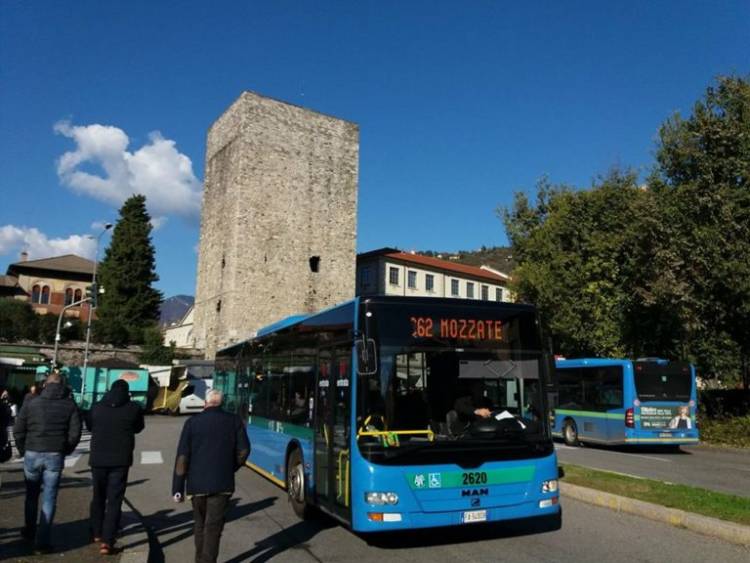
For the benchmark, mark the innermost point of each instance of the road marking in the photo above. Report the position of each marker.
(151, 457)
(71, 460)
(84, 447)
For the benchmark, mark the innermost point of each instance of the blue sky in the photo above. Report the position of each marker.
(459, 105)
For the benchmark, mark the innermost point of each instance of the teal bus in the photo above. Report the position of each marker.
(395, 413)
(619, 401)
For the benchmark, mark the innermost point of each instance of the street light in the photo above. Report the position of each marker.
(92, 304)
(57, 332)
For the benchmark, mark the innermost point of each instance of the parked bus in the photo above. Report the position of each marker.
(354, 410)
(608, 401)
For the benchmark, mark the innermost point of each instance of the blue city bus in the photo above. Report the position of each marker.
(353, 410)
(617, 401)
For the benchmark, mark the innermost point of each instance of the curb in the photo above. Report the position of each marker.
(727, 531)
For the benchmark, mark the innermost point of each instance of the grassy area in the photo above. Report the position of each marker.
(730, 431)
(691, 499)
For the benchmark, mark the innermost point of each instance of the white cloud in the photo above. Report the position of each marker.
(158, 222)
(157, 170)
(38, 245)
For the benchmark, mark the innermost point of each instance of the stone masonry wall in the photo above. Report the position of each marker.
(280, 188)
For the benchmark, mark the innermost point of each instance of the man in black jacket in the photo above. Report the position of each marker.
(213, 446)
(46, 430)
(114, 421)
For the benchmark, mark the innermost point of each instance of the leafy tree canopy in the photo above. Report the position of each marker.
(661, 269)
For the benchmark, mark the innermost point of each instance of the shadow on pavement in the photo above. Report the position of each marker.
(66, 536)
(294, 537)
(168, 522)
(461, 534)
(18, 487)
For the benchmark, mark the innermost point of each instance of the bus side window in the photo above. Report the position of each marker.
(570, 389)
(298, 404)
(611, 387)
(259, 399)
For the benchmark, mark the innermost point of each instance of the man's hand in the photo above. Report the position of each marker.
(178, 497)
(484, 413)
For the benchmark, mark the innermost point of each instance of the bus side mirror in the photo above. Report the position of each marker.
(367, 360)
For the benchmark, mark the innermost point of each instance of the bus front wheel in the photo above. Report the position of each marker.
(295, 484)
(570, 433)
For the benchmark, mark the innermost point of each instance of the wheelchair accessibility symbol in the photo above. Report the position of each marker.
(435, 481)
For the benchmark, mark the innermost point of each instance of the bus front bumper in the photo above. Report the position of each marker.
(394, 520)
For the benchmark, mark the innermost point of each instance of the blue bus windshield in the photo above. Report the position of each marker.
(442, 382)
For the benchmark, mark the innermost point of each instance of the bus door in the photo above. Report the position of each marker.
(332, 419)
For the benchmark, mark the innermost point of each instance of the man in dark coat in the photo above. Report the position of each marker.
(47, 429)
(213, 446)
(114, 421)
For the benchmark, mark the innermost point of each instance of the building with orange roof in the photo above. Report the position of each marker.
(388, 271)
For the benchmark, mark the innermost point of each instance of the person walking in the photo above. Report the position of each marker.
(6, 451)
(47, 429)
(114, 421)
(213, 446)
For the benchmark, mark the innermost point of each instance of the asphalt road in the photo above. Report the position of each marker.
(262, 527)
(719, 469)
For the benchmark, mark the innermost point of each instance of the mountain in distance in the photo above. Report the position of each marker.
(174, 308)
(497, 257)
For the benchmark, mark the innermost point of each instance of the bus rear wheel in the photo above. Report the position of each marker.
(570, 433)
(295, 484)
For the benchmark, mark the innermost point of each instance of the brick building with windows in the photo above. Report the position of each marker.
(50, 283)
(388, 271)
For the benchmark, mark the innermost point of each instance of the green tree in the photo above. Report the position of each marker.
(154, 351)
(570, 247)
(704, 177)
(661, 269)
(129, 303)
(17, 320)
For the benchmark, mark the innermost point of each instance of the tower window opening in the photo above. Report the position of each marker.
(315, 264)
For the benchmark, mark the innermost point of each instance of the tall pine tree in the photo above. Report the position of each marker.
(129, 303)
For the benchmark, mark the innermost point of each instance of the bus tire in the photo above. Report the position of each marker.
(570, 433)
(295, 484)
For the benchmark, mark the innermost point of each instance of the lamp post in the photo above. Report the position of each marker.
(92, 303)
(57, 332)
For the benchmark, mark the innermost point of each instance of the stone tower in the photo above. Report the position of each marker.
(279, 218)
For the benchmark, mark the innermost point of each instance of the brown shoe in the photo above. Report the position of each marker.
(107, 549)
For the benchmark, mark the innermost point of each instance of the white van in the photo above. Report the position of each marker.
(194, 395)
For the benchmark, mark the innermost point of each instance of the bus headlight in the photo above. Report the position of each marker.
(378, 498)
(549, 486)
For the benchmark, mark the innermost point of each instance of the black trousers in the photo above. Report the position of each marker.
(106, 505)
(209, 512)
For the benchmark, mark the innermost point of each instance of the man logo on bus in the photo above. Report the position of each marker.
(419, 481)
(435, 481)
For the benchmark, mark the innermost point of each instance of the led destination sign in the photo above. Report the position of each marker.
(461, 329)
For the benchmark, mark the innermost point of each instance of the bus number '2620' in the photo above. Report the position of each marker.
(474, 478)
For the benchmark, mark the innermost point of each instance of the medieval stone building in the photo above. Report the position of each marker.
(278, 223)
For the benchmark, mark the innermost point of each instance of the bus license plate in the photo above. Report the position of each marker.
(665, 434)
(475, 516)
